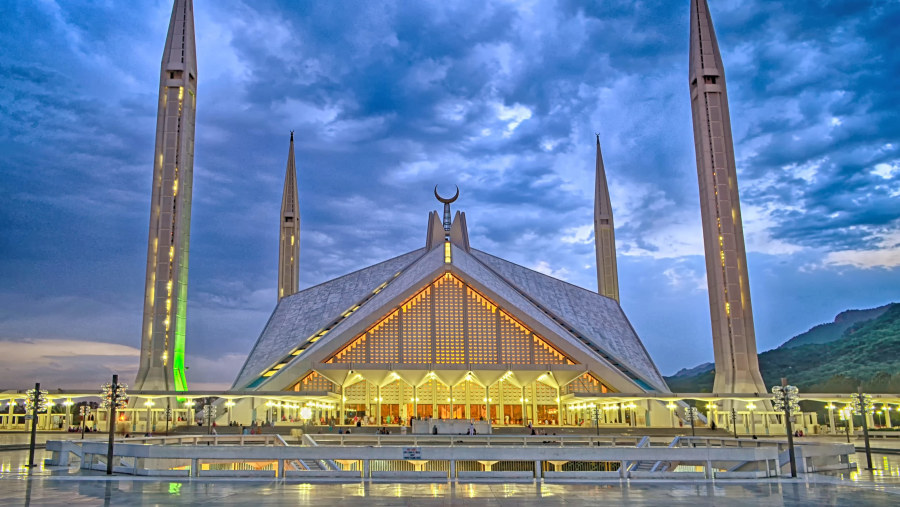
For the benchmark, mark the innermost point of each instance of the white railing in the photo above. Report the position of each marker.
(160, 456)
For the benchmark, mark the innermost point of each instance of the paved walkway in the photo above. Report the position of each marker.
(83, 491)
(41, 486)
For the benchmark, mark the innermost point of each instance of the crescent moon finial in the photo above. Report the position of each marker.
(444, 199)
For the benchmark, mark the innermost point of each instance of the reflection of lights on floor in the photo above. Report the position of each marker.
(174, 488)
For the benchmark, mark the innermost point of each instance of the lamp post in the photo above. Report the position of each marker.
(734, 421)
(114, 397)
(209, 413)
(785, 398)
(692, 414)
(671, 406)
(36, 401)
(750, 408)
(84, 411)
(862, 404)
(844, 413)
(305, 414)
(168, 413)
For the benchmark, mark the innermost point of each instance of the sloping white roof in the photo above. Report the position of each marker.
(595, 325)
(598, 318)
(301, 315)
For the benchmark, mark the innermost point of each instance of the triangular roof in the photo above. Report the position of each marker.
(606, 346)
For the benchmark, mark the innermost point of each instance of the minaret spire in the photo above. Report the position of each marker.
(165, 295)
(604, 234)
(734, 341)
(289, 237)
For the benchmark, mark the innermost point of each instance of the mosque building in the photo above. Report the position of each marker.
(446, 331)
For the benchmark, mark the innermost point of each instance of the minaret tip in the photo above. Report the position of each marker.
(292, 136)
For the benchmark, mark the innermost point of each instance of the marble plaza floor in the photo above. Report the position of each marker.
(99, 491)
(71, 487)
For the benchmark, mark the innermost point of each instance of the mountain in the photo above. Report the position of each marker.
(831, 331)
(693, 372)
(866, 351)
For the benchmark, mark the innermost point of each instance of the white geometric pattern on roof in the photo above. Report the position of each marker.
(597, 318)
(299, 316)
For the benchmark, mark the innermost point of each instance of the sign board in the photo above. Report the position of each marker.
(28, 417)
(412, 453)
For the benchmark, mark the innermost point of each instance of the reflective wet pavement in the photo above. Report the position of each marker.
(61, 487)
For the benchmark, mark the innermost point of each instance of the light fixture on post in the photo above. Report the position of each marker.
(83, 411)
(305, 414)
(209, 413)
(114, 397)
(846, 417)
(786, 398)
(862, 404)
(734, 421)
(168, 414)
(35, 401)
(692, 414)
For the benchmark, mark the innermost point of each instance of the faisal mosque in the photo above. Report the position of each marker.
(446, 331)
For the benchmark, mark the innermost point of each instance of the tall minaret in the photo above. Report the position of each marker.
(604, 234)
(734, 343)
(289, 239)
(165, 297)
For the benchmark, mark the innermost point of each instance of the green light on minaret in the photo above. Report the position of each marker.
(180, 325)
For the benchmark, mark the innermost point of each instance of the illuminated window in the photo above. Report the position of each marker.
(447, 256)
(314, 382)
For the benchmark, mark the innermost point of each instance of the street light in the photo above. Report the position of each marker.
(671, 406)
(750, 408)
(84, 411)
(844, 413)
(692, 415)
(35, 401)
(862, 404)
(786, 398)
(114, 397)
(168, 413)
(209, 413)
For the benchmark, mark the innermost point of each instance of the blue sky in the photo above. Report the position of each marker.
(388, 99)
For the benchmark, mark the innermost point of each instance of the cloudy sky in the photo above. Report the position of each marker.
(388, 99)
